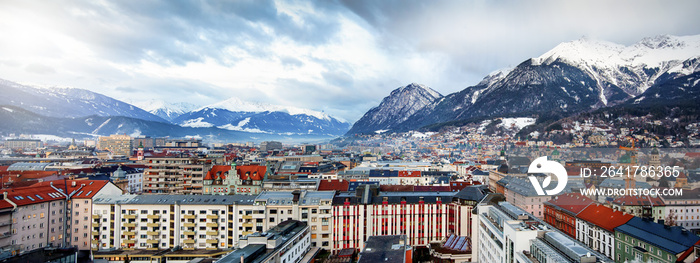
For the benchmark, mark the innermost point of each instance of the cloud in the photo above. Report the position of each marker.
(341, 57)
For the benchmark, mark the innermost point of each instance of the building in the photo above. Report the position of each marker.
(117, 145)
(29, 144)
(682, 210)
(391, 248)
(561, 211)
(175, 175)
(643, 240)
(250, 179)
(595, 227)
(167, 221)
(313, 207)
(270, 145)
(287, 242)
(506, 233)
(218, 181)
(519, 192)
(456, 249)
(424, 217)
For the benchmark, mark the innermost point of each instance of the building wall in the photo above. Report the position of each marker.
(596, 237)
(174, 175)
(560, 220)
(147, 226)
(117, 144)
(624, 250)
(37, 225)
(422, 223)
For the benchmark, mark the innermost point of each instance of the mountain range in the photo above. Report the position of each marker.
(574, 77)
(33, 110)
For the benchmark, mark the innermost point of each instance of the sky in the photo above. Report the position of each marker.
(340, 57)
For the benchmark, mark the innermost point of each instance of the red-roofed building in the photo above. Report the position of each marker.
(595, 227)
(333, 185)
(641, 206)
(79, 210)
(561, 211)
(250, 178)
(218, 181)
(12, 179)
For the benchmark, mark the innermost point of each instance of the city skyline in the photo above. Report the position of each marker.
(338, 57)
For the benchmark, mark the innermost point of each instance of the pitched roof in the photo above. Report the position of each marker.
(221, 169)
(573, 203)
(256, 172)
(629, 200)
(84, 189)
(672, 239)
(604, 216)
(335, 184)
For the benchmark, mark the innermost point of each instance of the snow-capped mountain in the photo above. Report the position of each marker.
(165, 110)
(573, 77)
(395, 108)
(237, 115)
(68, 102)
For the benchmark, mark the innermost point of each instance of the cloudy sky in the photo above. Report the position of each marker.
(341, 57)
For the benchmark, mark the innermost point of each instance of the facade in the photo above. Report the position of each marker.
(116, 144)
(424, 217)
(270, 145)
(643, 240)
(314, 207)
(682, 210)
(519, 192)
(506, 233)
(166, 221)
(218, 181)
(23, 144)
(595, 227)
(561, 211)
(175, 175)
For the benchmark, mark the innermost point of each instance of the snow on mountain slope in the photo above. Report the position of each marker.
(68, 102)
(237, 105)
(165, 110)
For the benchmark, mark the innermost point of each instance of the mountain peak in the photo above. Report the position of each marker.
(235, 104)
(401, 103)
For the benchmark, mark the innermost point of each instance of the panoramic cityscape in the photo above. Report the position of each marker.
(350, 131)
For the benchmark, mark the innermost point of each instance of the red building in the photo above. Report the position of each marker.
(561, 211)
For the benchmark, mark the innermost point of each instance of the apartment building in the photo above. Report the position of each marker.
(424, 217)
(175, 175)
(116, 144)
(313, 207)
(507, 233)
(167, 221)
(595, 227)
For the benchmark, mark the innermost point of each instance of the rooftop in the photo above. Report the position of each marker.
(384, 249)
(604, 216)
(176, 199)
(672, 239)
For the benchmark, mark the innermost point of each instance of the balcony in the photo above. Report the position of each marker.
(152, 233)
(189, 216)
(127, 241)
(212, 225)
(129, 225)
(153, 216)
(152, 241)
(153, 224)
(212, 241)
(95, 216)
(95, 225)
(130, 216)
(248, 225)
(129, 233)
(189, 233)
(247, 217)
(5, 235)
(95, 242)
(95, 233)
(212, 216)
(188, 241)
(212, 233)
(188, 224)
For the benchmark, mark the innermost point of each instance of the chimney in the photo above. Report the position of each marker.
(73, 183)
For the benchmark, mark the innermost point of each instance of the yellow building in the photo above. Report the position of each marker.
(117, 144)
